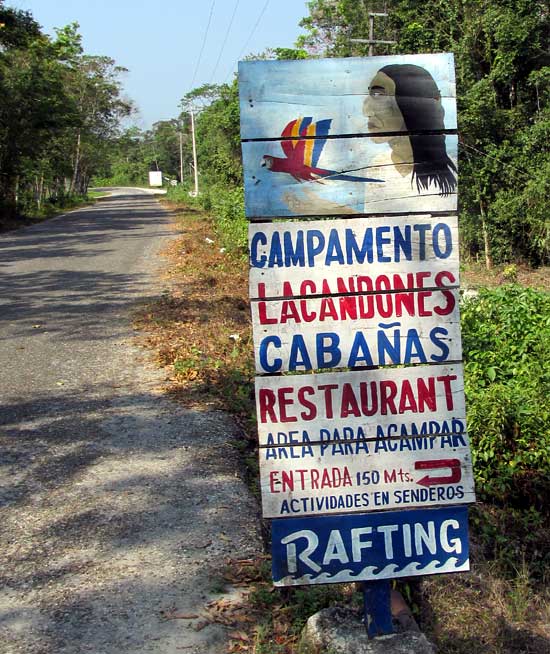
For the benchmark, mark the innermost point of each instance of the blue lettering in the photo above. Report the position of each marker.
(360, 353)
(258, 238)
(385, 346)
(330, 348)
(402, 244)
(299, 356)
(435, 332)
(442, 227)
(334, 249)
(294, 254)
(264, 362)
(380, 242)
(275, 251)
(413, 348)
(353, 253)
(422, 229)
(314, 249)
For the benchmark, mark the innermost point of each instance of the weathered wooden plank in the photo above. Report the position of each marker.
(419, 88)
(431, 335)
(346, 176)
(366, 476)
(341, 407)
(364, 547)
(301, 258)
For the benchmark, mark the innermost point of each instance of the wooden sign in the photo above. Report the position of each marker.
(372, 140)
(348, 176)
(367, 137)
(358, 330)
(344, 407)
(347, 91)
(366, 476)
(363, 255)
(347, 548)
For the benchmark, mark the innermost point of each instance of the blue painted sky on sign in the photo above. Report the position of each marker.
(160, 43)
(277, 193)
(273, 92)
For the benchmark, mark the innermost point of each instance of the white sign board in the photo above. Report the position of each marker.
(317, 334)
(155, 178)
(363, 255)
(349, 406)
(363, 476)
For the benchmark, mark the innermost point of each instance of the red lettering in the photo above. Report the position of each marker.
(449, 307)
(384, 311)
(364, 284)
(287, 481)
(273, 479)
(349, 402)
(266, 402)
(383, 283)
(442, 275)
(328, 388)
(407, 401)
(363, 387)
(262, 312)
(287, 290)
(425, 389)
(422, 311)
(348, 307)
(308, 317)
(388, 392)
(341, 286)
(446, 380)
(308, 284)
(327, 309)
(369, 312)
(314, 476)
(289, 312)
(284, 402)
(305, 415)
(420, 277)
(406, 299)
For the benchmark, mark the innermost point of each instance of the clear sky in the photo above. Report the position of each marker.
(160, 42)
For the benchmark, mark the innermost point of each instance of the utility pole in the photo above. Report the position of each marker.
(371, 40)
(195, 168)
(181, 155)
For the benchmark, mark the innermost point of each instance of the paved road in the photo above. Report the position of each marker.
(115, 504)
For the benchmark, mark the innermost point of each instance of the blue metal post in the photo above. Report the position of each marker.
(377, 609)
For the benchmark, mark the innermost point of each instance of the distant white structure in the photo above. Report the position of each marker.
(155, 178)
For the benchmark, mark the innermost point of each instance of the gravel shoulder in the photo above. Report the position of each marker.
(118, 506)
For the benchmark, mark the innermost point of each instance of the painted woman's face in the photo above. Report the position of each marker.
(380, 107)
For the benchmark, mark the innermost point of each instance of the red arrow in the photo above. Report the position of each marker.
(453, 478)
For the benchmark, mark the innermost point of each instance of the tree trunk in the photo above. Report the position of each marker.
(486, 242)
(76, 164)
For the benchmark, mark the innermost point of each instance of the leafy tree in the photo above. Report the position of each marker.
(60, 108)
(502, 59)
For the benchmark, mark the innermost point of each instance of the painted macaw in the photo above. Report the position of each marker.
(302, 154)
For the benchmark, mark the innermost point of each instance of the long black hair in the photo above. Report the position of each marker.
(419, 101)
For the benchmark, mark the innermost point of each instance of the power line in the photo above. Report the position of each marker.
(260, 16)
(224, 41)
(203, 43)
(490, 156)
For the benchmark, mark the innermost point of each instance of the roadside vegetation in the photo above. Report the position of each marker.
(503, 605)
(200, 332)
(60, 110)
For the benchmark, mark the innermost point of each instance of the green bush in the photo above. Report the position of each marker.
(506, 341)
